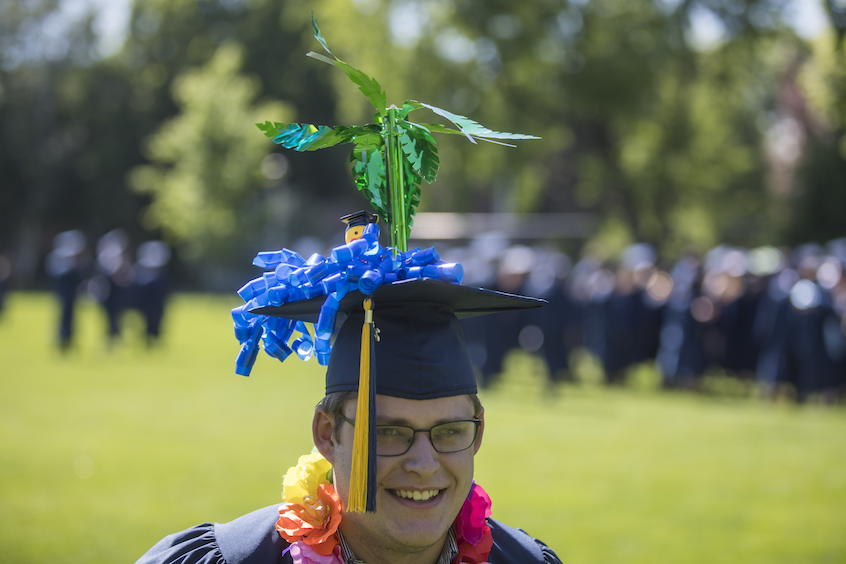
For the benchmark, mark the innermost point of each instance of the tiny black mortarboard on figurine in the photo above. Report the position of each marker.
(398, 308)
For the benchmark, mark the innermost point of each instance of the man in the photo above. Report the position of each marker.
(429, 425)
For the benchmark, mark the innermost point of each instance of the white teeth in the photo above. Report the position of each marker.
(417, 495)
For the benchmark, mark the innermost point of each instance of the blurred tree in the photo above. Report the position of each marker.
(673, 121)
(61, 156)
(168, 36)
(207, 160)
(820, 192)
(644, 123)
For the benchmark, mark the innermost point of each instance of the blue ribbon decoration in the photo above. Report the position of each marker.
(362, 264)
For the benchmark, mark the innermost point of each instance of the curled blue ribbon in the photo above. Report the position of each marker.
(362, 264)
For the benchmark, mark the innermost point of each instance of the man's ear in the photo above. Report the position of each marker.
(478, 444)
(322, 430)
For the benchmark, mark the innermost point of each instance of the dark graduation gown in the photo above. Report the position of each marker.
(252, 539)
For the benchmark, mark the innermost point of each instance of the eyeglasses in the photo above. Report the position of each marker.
(395, 440)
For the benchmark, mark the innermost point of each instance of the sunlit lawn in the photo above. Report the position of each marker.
(104, 452)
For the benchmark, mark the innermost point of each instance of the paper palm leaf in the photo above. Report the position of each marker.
(420, 151)
(368, 85)
(412, 201)
(472, 129)
(369, 173)
(415, 154)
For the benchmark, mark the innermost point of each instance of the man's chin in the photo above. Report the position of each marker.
(415, 539)
(419, 524)
(399, 535)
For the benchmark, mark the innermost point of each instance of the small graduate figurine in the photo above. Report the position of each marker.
(356, 222)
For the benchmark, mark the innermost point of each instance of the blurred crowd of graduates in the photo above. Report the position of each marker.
(110, 278)
(773, 318)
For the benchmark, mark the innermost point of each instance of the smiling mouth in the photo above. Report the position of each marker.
(416, 495)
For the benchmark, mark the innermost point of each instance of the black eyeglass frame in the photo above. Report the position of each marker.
(475, 420)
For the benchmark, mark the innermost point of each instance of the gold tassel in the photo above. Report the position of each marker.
(358, 474)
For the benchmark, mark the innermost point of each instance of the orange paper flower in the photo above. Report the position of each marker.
(314, 522)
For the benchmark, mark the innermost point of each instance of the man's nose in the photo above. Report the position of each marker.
(421, 458)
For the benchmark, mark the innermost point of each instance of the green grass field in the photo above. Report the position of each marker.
(104, 452)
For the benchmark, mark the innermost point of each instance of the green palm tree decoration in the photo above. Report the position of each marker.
(392, 155)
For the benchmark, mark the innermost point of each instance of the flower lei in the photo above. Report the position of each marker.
(310, 517)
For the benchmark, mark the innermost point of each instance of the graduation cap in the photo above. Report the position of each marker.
(420, 352)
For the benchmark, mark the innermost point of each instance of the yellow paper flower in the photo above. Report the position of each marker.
(303, 479)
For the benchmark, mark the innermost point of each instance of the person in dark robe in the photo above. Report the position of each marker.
(501, 338)
(631, 317)
(560, 321)
(809, 317)
(151, 286)
(65, 265)
(397, 431)
(737, 323)
(771, 331)
(598, 286)
(681, 352)
(112, 287)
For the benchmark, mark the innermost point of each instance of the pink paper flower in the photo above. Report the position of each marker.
(302, 553)
(473, 534)
(475, 554)
(470, 523)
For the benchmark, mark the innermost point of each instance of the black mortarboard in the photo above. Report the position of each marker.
(421, 353)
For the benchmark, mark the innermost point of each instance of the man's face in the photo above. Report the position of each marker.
(403, 525)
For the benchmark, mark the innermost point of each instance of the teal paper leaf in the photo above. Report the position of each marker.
(307, 137)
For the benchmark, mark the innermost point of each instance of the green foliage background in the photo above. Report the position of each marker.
(661, 137)
(103, 452)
